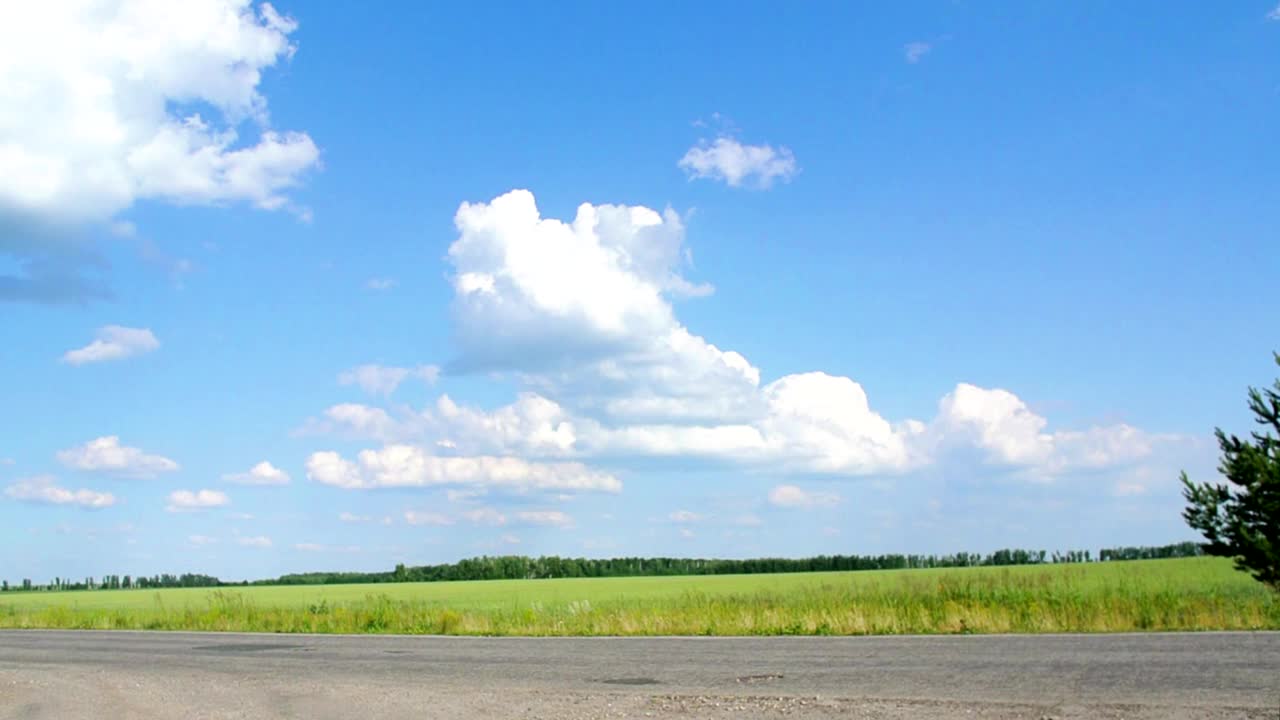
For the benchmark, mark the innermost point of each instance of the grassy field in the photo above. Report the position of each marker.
(1182, 594)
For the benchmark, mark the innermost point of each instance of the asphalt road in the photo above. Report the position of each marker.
(73, 675)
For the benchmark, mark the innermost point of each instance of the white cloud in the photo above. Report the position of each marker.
(736, 164)
(330, 468)
(581, 316)
(485, 516)
(826, 424)
(509, 539)
(1274, 14)
(259, 541)
(106, 454)
(532, 424)
(383, 380)
(381, 283)
(748, 520)
(44, 489)
(109, 103)
(1103, 446)
(684, 516)
(352, 519)
(201, 540)
(264, 473)
(414, 517)
(790, 496)
(552, 518)
(915, 51)
(584, 317)
(1000, 424)
(810, 421)
(997, 421)
(113, 342)
(597, 281)
(359, 420)
(411, 466)
(239, 516)
(190, 501)
(583, 310)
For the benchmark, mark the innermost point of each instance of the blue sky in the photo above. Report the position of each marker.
(299, 289)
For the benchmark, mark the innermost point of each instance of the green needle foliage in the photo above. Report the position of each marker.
(1243, 522)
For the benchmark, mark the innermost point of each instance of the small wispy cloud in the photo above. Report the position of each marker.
(550, 518)
(190, 501)
(737, 164)
(486, 516)
(383, 380)
(264, 473)
(113, 342)
(915, 51)
(790, 496)
(1274, 14)
(381, 284)
(44, 489)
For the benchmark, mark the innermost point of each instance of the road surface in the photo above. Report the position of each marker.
(80, 675)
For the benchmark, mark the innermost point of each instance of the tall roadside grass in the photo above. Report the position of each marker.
(1016, 600)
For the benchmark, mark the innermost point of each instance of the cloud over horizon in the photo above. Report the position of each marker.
(587, 325)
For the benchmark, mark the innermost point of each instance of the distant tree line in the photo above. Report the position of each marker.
(119, 582)
(516, 567)
(1186, 549)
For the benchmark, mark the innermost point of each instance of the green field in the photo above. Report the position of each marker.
(1180, 594)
